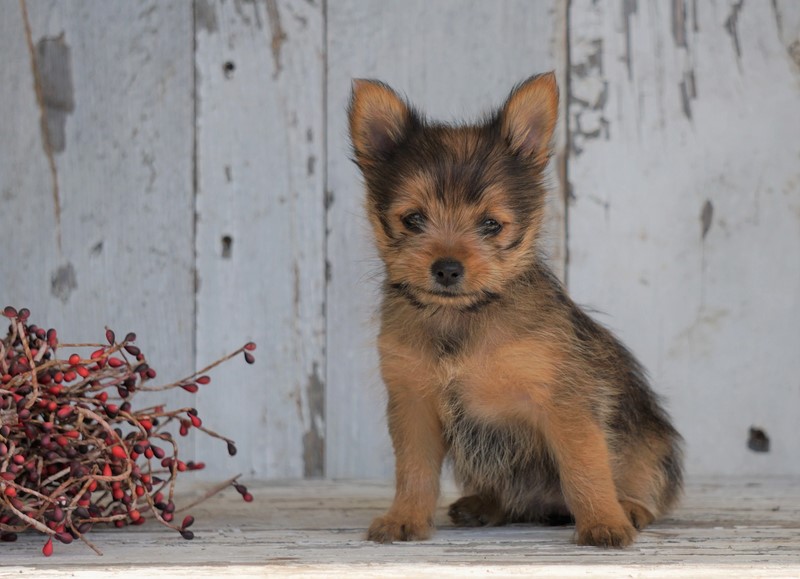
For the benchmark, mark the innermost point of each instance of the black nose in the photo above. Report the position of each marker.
(447, 271)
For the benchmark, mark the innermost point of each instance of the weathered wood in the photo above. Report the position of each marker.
(261, 232)
(683, 169)
(739, 528)
(96, 172)
(455, 60)
(684, 165)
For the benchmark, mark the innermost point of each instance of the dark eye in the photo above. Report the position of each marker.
(490, 227)
(414, 222)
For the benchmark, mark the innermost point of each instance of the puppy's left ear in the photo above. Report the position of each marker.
(379, 119)
(529, 117)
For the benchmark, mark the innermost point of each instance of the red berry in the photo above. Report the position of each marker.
(10, 492)
(74, 360)
(10, 312)
(196, 422)
(188, 521)
(106, 470)
(24, 314)
(82, 371)
(110, 336)
(64, 537)
(47, 550)
(119, 452)
(115, 362)
(203, 380)
(250, 346)
(190, 387)
(248, 498)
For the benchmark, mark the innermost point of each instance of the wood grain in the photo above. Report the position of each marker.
(114, 113)
(684, 224)
(725, 528)
(261, 232)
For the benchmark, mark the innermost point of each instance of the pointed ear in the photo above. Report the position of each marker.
(529, 117)
(378, 120)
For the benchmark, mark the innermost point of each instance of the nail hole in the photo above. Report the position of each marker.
(758, 441)
(227, 246)
(228, 69)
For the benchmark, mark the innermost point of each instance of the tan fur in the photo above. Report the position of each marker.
(542, 411)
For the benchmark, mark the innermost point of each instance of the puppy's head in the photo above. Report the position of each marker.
(456, 210)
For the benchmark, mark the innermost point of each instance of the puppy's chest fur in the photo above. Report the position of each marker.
(479, 396)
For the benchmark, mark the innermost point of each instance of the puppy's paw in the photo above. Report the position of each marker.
(638, 514)
(606, 535)
(475, 511)
(388, 529)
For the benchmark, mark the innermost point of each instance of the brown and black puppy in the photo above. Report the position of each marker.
(545, 414)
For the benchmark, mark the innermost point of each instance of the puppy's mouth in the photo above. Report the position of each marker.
(425, 298)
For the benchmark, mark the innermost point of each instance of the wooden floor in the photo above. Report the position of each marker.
(748, 528)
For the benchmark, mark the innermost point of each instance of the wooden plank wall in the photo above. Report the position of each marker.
(181, 169)
(96, 196)
(261, 229)
(683, 226)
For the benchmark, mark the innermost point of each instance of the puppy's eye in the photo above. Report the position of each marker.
(490, 227)
(414, 222)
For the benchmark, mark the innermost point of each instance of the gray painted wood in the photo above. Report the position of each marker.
(454, 60)
(109, 172)
(685, 173)
(261, 232)
(724, 528)
(682, 167)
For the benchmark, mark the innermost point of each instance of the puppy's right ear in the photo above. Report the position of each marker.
(379, 119)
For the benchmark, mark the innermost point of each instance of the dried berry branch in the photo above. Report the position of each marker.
(74, 452)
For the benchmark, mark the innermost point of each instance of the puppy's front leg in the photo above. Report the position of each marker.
(584, 463)
(419, 450)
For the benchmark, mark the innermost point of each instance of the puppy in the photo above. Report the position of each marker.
(546, 416)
